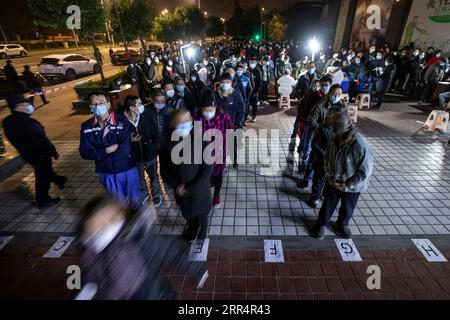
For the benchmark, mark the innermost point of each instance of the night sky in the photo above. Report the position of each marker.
(222, 8)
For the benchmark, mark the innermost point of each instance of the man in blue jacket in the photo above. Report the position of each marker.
(106, 139)
(231, 102)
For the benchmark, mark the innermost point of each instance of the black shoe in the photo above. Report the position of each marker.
(190, 235)
(157, 201)
(61, 183)
(301, 167)
(235, 165)
(319, 232)
(46, 102)
(343, 231)
(49, 203)
(303, 184)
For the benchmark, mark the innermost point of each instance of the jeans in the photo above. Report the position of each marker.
(264, 90)
(216, 182)
(43, 171)
(151, 168)
(443, 97)
(332, 197)
(296, 126)
(318, 180)
(305, 144)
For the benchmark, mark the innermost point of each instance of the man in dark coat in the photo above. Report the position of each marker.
(385, 81)
(191, 177)
(27, 135)
(33, 85)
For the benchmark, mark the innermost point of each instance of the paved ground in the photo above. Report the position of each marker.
(409, 198)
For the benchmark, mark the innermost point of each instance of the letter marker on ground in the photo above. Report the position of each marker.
(199, 250)
(59, 247)
(273, 251)
(4, 241)
(431, 253)
(348, 250)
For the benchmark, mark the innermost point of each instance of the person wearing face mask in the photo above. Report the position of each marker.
(106, 139)
(434, 74)
(136, 75)
(210, 71)
(191, 177)
(306, 80)
(168, 88)
(123, 259)
(232, 103)
(267, 76)
(415, 71)
(355, 68)
(237, 85)
(331, 61)
(306, 130)
(148, 69)
(28, 136)
(213, 117)
(385, 81)
(168, 70)
(283, 65)
(183, 96)
(145, 139)
(348, 163)
(256, 72)
(245, 83)
(195, 86)
(364, 82)
(302, 67)
(335, 72)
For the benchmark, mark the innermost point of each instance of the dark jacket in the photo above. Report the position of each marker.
(386, 78)
(147, 148)
(93, 145)
(10, 73)
(415, 69)
(148, 72)
(319, 144)
(233, 105)
(304, 83)
(31, 81)
(196, 88)
(27, 135)
(257, 77)
(196, 177)
(187, 100)
(161, 119)
(322, 109)
(307, 103)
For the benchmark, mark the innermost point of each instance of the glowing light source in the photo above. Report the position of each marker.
(190, 52)
(314, 45)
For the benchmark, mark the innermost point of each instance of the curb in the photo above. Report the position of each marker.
(10, 167)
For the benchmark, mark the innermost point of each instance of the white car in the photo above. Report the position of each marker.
(10, 50)
(67, 66)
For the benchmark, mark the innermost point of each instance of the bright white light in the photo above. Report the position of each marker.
(190, 52)
(314, 45)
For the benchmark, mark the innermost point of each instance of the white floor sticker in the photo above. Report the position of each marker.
(199, 250)
(431, 253)
(59, 247)
(273, 251)
(4, 241)
(348, 250)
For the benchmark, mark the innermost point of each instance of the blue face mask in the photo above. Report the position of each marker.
(159, 106)
(180, 88)
(208, 115)
(312, 70)
(99, 110)
(239, 73)
(183, 129)
(325, 89)
(335, 99)
(30, 109)
(141, 109)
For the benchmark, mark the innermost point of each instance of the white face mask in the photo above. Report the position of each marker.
(170, 93)
(30, 109)
(102, 238)
(253, 65)
(193, 79)
(149, 61)
(141, 109)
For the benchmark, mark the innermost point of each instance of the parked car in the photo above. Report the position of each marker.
(119, 57)
(11, 50)
(67, 66)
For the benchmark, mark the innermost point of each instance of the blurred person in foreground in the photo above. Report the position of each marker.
(123, 259)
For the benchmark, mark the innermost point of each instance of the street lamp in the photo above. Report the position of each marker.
(314, 45)
(205, 13)
(262, 22)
